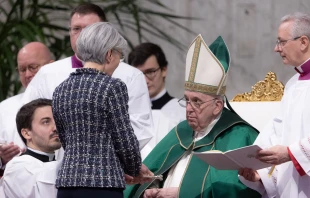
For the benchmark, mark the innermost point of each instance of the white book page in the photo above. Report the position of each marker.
(245, 156)
(218, 160)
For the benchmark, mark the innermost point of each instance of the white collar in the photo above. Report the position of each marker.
(159, 95)
(201, 134)
(49, 155)
(299, 67)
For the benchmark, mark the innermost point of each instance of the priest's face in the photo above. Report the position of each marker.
(288, 45)
(30, 59)
(154, 75)
(201, 109)
(43, 135)
(77, 23)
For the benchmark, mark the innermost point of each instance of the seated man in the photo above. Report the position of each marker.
(208, 126)
(33, 174)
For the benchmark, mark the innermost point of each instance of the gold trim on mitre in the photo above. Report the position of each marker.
(206, 89)
(192, 72)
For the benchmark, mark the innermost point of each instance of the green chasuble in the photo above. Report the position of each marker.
(200, 179)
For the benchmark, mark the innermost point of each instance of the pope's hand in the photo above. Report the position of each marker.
(161, 193)
(249, 174)
(8, 151)
(274, 155)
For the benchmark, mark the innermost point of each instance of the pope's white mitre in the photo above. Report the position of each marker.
(207, 68)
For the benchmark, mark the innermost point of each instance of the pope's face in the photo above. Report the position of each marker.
(200, 117)
(78, 22)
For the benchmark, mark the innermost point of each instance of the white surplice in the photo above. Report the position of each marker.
(289, 127)
(51, 75)
(8, 111)
(28, 177)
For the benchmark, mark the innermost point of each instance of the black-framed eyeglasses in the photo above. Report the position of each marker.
(281, 43)
(150, 74)
(31, 68)
(196, 104)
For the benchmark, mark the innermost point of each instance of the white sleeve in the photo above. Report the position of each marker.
(140, 110)
(266, 139)
(301, 152)
(24, 177)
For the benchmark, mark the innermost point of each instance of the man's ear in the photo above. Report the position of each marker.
(219, 105)
(164, 72)
(304, 43)
(26, 134)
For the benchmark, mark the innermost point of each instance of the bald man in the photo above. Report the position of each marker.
(29, 60)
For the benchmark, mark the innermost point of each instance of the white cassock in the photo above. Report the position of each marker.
(164, 120)
(8, 130)
(28, 177)
(289, 127)
(8, 111)
(51, 75)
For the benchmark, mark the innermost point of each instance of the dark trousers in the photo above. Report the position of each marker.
(80, 192)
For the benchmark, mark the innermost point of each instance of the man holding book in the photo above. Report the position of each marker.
(209, 126)
(286, 140)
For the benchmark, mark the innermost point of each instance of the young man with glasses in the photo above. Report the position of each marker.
(208, 126)
(30, 59)
(150, 59)
(285, 141)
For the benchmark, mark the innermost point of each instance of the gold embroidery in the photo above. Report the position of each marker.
(177, 134)
(204, 179)
(195, 60)
(269, 89)
(206, 89)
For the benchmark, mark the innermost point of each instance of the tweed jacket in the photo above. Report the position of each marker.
(91, 114)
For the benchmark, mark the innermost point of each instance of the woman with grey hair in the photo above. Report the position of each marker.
(91, 114)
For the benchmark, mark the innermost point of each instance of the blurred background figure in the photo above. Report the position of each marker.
(150, 59)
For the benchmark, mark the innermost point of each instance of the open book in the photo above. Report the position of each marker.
(234, 159)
